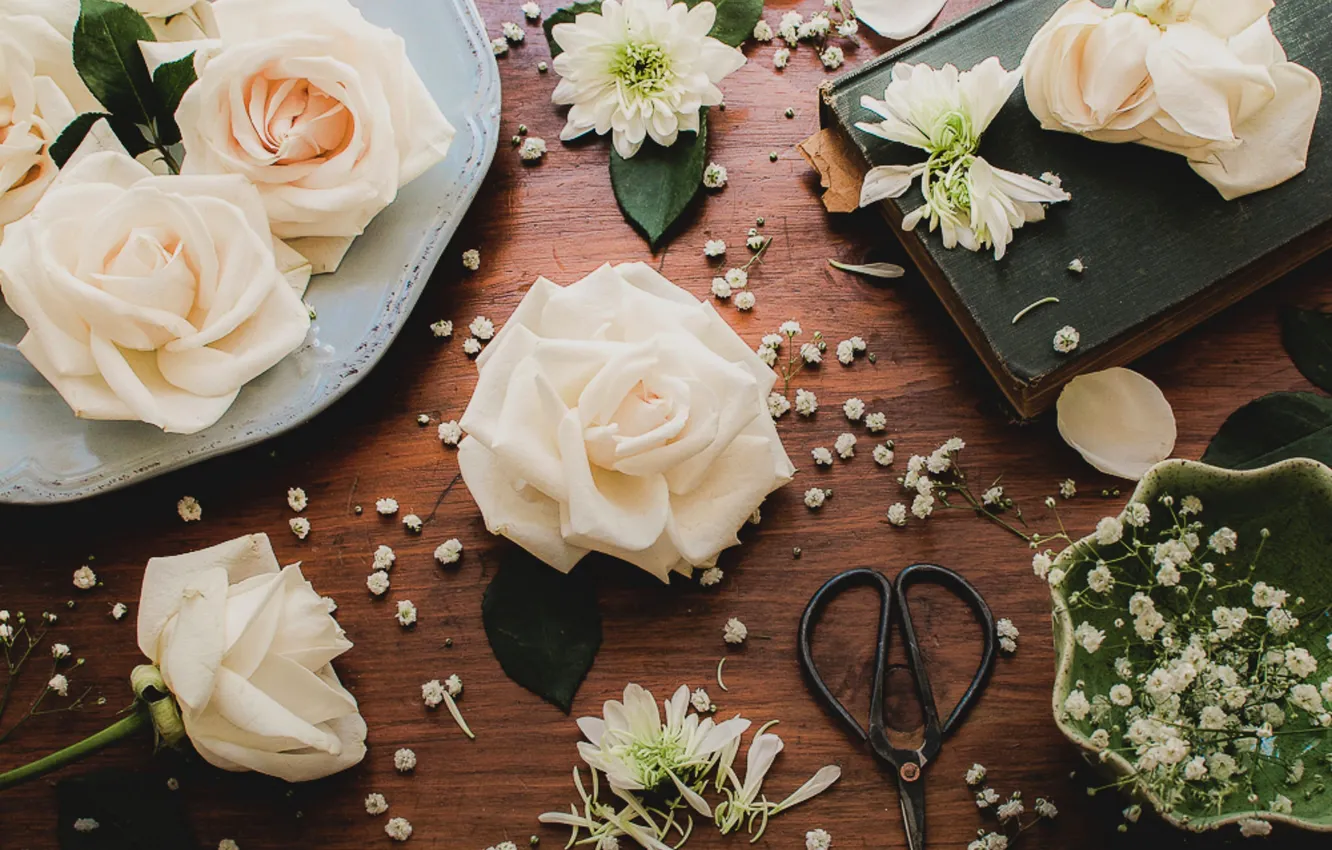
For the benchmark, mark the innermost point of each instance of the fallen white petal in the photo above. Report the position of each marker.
(898, 19)
(1118, 420)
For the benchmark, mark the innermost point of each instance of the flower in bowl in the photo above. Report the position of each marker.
(1191, 635)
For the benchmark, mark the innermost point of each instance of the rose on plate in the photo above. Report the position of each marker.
(151, 297)
(620, 415)
(317, 107)
(40, 92)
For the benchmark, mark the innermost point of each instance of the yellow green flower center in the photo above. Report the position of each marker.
(642, 67)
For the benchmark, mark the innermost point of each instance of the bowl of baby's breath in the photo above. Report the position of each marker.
(1193, 635)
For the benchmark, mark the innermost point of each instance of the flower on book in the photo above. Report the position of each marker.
(1206, 79)
(944, 112)
(639, 69)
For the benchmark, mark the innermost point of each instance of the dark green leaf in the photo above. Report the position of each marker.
(565, 16)
(72, 136)
(735, 19)
(172, 79)
(544, 627)
(108, 58)
(134, 811)
(1273, 428)
(1307, 335)
(656, 185)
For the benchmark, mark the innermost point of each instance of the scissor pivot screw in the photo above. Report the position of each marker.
(910, 772)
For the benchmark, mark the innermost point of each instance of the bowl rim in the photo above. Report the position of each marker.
(1064, 643)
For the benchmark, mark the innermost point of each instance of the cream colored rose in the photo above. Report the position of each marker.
(247, 648)
(40, 93)
(147, 297)
(1206, 79)
(620, 415)
(178, 20)
(318, 108)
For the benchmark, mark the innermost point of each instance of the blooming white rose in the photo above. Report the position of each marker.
(317, 107)
(178, 20)
(150, 297)
(622, 415)
(247, 647)
(40, 93)
(1203, 78)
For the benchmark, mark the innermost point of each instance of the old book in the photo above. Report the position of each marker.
(1162, 250)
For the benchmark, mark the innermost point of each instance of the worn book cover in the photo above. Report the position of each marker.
(1161, 249)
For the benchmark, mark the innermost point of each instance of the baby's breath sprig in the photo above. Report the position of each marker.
(19, 640)
(797, 356)
(1008, 814)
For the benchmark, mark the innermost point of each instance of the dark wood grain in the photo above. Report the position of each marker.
(558, 219)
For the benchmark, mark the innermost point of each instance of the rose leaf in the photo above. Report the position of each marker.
(544, 626)
(1307, 335)
(133, 811)
(735, 19)
(1272, 429)
(655, 186)
(172, 80)
(565, 16)
(108, 58)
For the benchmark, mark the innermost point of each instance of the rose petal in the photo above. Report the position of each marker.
(898, 19)
(1118, 420)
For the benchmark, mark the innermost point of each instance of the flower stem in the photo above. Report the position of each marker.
(121, 729)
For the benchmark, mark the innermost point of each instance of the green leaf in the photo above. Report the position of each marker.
(656, 185)
(735, 19)
(73, 135)
(1274, 428)
(1307, 335)
(108, 58)
(544, 627)
(134, 811)
(565, 16)
(172, 80)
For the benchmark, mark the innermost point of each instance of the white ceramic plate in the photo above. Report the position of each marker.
(49, 456)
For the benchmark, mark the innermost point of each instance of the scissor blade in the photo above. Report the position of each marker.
(912, 796)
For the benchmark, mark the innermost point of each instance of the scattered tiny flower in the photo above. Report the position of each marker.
(832, 57)
(385, 557)
(412, 523)
(377, 582)
(1066, 339)
(854, 408)
(822, 457)
(404, 760)
(845, 445)
(815, 497)
(781, 57)
(386, 507)
(710, 577)
(59, 684)
(406, 615)
(85, 578)
(443, 329)
(883, 454)
(450, 433)
(296, 499)
(531, 11)
(399, 829)
(449, 552)
(735, 631)
(897, 514)
(498, 46)
(714, 248)
(714, 176)
(745, 300)
(482, 328)
(817, 839)
(876, 422)
(762, 31)
(471, 258)
(119, 610)
(300, 526)
(189, 509)
(375, 804)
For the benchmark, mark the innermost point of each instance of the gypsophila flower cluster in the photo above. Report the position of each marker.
(1007, 813)
(1221, 697)
(649, 774)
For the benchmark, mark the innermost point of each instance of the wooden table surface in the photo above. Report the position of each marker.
(559, 219)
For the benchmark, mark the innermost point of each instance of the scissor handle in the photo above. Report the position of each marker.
(895, 593)
(831, 589)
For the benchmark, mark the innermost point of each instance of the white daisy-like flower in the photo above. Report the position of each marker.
(788, 328)
(1223, 541)
(384, 557)
(404, 760)
(640, 69)
(922, 506)
(972, 203)
(714, 248)
(737, 278)
(399, 829)
(854, 408)
(846, 352)
(789, 26)
(762, 31)
(781, 57)
(714, 176)
(720, 288)
(296, 499)
(701, 702)
(745, 300)
(815, 497)
(876, 422)
(377, 582)
(1066, 339)
(432, 693)
(897, 514)
(1089, 637)
(883, 455)
(832, 57)
(413, 523)
(822, 456)
(778, 405)
(810, 353)
(406, 614)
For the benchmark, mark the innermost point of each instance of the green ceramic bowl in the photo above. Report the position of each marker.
(1292, 499)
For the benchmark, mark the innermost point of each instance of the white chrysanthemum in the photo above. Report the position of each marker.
(639, 69)
(638, 752)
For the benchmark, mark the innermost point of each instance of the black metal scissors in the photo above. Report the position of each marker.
(907, 764)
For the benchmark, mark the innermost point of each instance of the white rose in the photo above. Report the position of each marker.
(150, 297)
(159, 8)
(314, 105)
(40, 93)
(178, 20)
(247, 647)
(1203, 78)
(620, 415)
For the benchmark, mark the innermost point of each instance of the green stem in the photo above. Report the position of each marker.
(117, 731)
